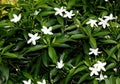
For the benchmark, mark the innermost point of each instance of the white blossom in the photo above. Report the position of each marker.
(94, 51)
(27, 82)
(69, 14)
(106, 0)
(46, 30)
(33, 38)
(43, 82)
(60, 64)
(100, 66)
(94, 70)
(59, 11)
(37, 12)
(92, 23)
(102, 77)
(16, 18)
(104, 23)
(110, 17)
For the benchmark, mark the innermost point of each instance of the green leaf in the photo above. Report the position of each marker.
(60, 20)
(117, 80)
(83, 78)
(93, 42)
(102, 33)
(46, 13)
(81, 68)
(10, 55)
(27, 75)
(107, 81)
(78, 36)
(69, 76)
(35, 48)
(108, 41)
(5, 72)
(52, 54)
(95, 82)
(53, 72)
(110, 66)
(70, 27)
(6, 48)
(70, 4)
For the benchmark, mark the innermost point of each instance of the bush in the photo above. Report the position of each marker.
(60, 42)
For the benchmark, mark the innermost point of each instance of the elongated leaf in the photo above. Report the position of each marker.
(118, 80)
(109, 41)
(84, 77)
(81, 68)
(6, 48)
(52, 54)
(93, 42)
(110, 66)
(27, 75)
(103, 33)
(10, 55)
(78, 36)
(35, 48)
(68, 78)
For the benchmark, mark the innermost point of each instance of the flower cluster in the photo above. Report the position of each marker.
(63, 12)
(98, 67)
(102, 21)
(35, 37)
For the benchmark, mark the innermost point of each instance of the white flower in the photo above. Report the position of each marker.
(43, 82)
(92, 23)
(33, 38)
(59, 11)
(27, 82)
(60, 64)
(106, 0)
(94, 70)
(69, 14)
(94, 51)
(103, 23)
(101, 77)
(47, 31)
(110, 17)
(100, 66)
(16, 18)
(37, 12)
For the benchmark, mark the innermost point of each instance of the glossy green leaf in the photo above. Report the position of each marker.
(52, 54)
(78, 36)
(27, 75)
(93, 42)
(35, 48)
(110, 66)
(10, 55)
(83, 78)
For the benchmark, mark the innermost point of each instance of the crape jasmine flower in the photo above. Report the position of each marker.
(59, 11)
(43, 82)
(46, 30)
(102, 77)
(104, 23)
(92, 23)
(33, 38)
(100, 66)
(69, 14)
(94, 51)
(60, 64)
(110, 17)
(27, 82)
(94, 70)
(16, 18)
